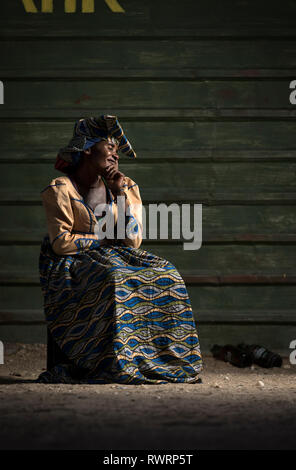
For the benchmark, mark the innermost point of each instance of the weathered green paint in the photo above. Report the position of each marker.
(26, 155)
(275, 338)
(220, 222)
(23, 334)
(196, 181)
(202, 91)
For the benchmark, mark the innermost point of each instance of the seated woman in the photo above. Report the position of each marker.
(117, 312)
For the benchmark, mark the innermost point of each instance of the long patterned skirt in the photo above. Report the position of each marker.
(120, 314)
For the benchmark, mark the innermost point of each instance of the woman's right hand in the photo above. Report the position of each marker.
(114, 178)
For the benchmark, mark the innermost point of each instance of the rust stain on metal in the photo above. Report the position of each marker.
(250, 72)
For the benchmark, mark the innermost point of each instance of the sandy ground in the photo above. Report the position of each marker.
(231, 409)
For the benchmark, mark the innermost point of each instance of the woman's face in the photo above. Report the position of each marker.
(101, 155)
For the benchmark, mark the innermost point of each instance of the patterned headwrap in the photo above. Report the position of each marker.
(86, 133)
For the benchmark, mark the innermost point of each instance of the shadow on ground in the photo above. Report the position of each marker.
(232, 408)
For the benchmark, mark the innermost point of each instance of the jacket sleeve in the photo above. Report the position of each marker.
(134, 222)
(59, 217)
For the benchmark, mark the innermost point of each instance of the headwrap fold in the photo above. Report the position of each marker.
(86, 133)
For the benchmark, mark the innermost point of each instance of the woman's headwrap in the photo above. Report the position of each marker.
(86, 133)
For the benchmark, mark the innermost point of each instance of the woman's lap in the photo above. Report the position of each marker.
(121, 315)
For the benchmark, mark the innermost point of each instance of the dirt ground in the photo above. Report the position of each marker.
(232, 408)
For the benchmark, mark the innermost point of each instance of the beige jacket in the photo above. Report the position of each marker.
(72, 225)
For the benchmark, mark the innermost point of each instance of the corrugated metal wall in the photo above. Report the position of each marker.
(202, 91)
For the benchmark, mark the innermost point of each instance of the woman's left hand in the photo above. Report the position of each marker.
(114, 179)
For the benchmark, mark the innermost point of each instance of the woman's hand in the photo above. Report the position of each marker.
(114, 179)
